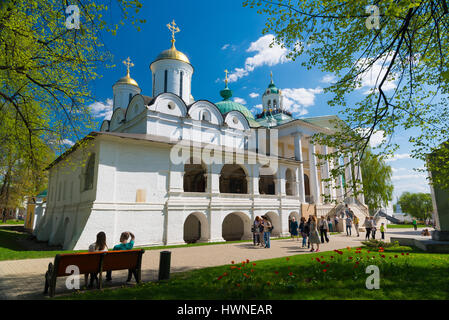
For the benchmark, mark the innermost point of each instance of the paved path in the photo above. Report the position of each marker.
(24, 279)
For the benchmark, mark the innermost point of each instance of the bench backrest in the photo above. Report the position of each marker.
(123, 259)
(87, 262)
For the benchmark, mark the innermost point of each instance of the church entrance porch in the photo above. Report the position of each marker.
(236, 226)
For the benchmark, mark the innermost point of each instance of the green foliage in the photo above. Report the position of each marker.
(45, 73)
(401, 67)
(373, 243)
(377, 186)
(418, 205)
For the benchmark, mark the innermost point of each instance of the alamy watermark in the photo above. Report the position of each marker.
(373, 21)
(73, 20)
(373, 281)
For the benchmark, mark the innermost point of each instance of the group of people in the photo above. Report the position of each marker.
(371, 228)
(313, 231)
(261, 230)
(100, 245)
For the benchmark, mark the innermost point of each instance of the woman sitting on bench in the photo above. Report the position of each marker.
(99, 245)
(124, 245)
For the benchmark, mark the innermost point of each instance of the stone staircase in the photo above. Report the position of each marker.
(360, 211)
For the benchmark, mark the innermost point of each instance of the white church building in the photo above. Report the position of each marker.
(172, 169)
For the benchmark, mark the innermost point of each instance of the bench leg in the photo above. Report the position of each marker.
(46, 283)
(100, 280)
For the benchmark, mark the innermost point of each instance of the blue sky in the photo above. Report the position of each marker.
(219, 35)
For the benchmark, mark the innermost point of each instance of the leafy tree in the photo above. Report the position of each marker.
(377, 186)
(418, 205)
(395, 53)
(45, 72)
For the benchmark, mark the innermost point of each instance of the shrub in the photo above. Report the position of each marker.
(373, 243)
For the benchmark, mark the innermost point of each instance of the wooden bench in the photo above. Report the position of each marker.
(93, 262)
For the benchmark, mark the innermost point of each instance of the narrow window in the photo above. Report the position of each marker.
(165, 81)
(180, 83)
(154, 81)
(130, 97)
(89, 174)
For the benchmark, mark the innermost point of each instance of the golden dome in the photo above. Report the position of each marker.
(173, 54)
(127, 80)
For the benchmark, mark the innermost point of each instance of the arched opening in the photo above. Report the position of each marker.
(194, 177)
(267, 181)
(236, 226)
(233, 179)
(196, 228)
(290, 183)
(307, 188)
(276, 223)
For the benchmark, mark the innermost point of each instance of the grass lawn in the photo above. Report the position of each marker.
(405, 273)
(401, 226)
(12, 246)
(12, 221)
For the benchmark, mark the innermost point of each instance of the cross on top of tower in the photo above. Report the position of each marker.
(128, 64)
(173, 29)
(226, 77)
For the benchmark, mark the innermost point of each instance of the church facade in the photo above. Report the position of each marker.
(173, 169)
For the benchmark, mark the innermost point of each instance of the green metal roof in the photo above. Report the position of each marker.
(227, 105)
(43, 194)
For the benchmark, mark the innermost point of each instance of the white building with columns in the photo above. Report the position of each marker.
(173, 169)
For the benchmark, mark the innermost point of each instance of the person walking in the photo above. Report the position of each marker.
(307, 230)
(124, 245)
(314, 235)
(348, 226)
(262, 241)
(323, 229)
(374, 228)
(382, 230)
(302, 229)
(329, 224)
(294, 228)
(267, 228)
(336, 223)
(356, 224)
(415, 224)
(367, 225)
(255, 231)
(99, 245)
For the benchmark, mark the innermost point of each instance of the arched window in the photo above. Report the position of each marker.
(205, 115)
(233, 179)
(165, 81)
(180, 83)
(89, 173)
(130, 97)
(194, 177)
(274, 104)
(267, 181)
(269, 103)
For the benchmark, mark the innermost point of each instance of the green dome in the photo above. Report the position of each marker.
(226, 106)
(271, 89)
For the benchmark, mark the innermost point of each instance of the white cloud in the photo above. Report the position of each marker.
(298, 99)
(372, 77)
(239, 100)
(102, 110)
(328, 78)
(398, 156)
(265, 55)
(415, 176)
(225, 46)
(257, 108)
(253, 95)
(376, 138)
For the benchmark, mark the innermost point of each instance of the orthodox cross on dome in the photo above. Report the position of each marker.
(226, 77)
(128, 64)
(173, 29)
(271, 76)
